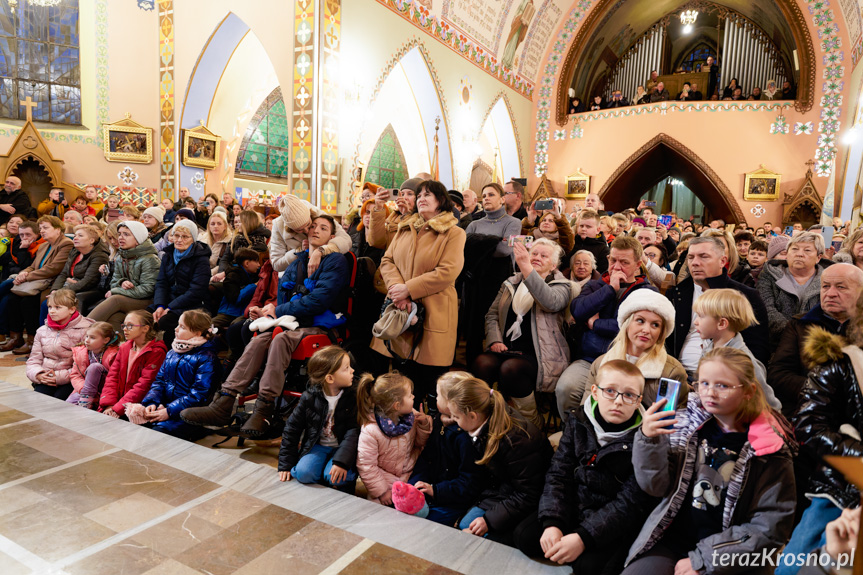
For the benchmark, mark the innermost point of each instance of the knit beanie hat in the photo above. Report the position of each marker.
(189, 225)
(649, 300)
(777, 244)
(367, 205)
(408, 499)
(221, 209)
(139, 230)
(295, 212)
(156, 212)
(186, 213)
(412, 184)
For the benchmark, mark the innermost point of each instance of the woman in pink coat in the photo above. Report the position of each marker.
(50, 362)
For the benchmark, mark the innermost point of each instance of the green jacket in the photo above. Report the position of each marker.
(139, 265)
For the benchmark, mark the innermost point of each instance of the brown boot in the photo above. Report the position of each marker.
(261, 419)
(217, 413)
(25, 348)
(14, 340)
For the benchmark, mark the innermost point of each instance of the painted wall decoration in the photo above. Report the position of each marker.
(302, 118)
(167, 142)
(328, 146)
(129, 195)
(127, 175)
(834, 71)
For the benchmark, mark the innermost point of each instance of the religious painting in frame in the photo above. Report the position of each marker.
(127, 141)
(762, 185)
(577, 185)
(201, 148)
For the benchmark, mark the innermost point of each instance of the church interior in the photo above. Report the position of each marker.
(140, 99)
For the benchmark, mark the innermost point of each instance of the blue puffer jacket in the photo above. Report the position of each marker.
(185, 380)
(598, 297)
(184, 285)
(329, 281)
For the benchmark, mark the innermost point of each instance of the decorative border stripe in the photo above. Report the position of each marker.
(167, 141)
(328, 153)
(663, 108)
(831, 102)
(302, 116)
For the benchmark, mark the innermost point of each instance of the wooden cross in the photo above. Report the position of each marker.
(29, 104)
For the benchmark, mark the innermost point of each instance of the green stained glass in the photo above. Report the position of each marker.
(266, 147)
(387, 166)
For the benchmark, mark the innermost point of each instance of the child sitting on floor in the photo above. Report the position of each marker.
(185, 379)
(49, 366)
(723, 469)
(325, 419)
(90, 364)
(720, 316)
(591, 506)
(446, 480)
(392, 436)
(513, 450)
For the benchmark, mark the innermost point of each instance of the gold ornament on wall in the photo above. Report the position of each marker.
(577, 185)
(127, 141)
(762, 185)
(201, 148)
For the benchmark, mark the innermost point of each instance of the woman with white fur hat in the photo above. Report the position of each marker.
(290, 231)
(136, 267)
(646, 319)
(154, 220)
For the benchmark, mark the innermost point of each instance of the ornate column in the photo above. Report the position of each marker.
(167, 145)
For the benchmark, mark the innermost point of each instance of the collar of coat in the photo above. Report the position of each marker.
(440, 223)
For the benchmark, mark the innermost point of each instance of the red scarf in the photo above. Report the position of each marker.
(58, 326)
(31, 249)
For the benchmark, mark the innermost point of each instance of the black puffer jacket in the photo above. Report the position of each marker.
(258, 240)
(831, 398)
(598, 246)
(307, 422)
(517, 474)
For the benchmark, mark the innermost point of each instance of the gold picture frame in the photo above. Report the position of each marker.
(577, 185)
(762, 185)
(127, 141)
(201, 148)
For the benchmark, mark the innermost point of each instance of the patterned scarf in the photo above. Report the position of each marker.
(186, 345)
(391, 428)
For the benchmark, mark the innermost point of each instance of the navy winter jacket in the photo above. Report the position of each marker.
(329, 281)
(184, 285)
(239, 287)
(597, 296)
(184, 380)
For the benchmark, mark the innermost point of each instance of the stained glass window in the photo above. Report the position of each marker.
(697, 57)
(39, 58)
(387, 166)
(266, 147)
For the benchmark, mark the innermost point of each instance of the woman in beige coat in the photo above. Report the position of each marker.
(382, 225)
(421, 265)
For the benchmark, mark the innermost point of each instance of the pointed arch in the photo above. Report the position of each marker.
(498, 130)
(387, 166)
(659, 158)
(265, 149)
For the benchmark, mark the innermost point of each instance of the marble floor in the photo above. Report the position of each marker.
(81, 493)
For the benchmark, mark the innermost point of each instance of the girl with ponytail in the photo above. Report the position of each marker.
(515, 452)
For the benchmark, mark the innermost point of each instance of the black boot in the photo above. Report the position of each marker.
(261, 419)
(217, 413)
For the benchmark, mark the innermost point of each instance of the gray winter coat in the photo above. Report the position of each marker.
(781, 303)
(552, 297)
(761, 496)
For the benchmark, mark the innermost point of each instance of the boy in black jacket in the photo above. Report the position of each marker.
(591, 507)
(238, 287)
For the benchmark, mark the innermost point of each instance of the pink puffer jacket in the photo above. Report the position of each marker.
(382, 460)
(52, 349)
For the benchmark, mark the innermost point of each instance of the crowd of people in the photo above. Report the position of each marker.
(697, 371)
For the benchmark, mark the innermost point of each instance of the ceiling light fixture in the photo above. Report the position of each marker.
(44, 3)
(688, 18)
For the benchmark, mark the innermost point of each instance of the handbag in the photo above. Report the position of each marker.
(30, 288)
(415, 329)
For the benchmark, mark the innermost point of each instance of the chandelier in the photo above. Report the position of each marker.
(687, 18)
(43, 3)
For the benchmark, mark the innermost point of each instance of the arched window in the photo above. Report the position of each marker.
(692, 61)
(265, 150)
(387, 166)
(39, 58)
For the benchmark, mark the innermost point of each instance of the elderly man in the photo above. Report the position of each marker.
(592, 202)
(13, 200)
(786, 374)
(513, 196)
(471, 205)
(706, 260)
(659, 94)
(71, 219)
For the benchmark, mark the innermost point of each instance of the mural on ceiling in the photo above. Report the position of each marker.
(622, 40)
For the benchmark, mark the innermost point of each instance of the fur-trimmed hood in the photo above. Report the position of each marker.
(440, 223)
(822, 347)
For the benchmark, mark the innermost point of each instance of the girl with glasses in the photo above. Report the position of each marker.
(723, 469)
(136, 365)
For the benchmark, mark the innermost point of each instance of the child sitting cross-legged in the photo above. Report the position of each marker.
(319, 443)
(91, 362)
(392, 436)
(723, 469)
(720, 316)
(512, 449)
(591, 506)
(446, 480)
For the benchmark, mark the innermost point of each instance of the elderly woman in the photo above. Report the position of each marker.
(291, 229)
(550, 225)
(81, 272)
(421, 265)
(183, 279)
(792, 286)
(646, 319)
(218, 237)
(383, 225)
(22, 308)
(527, 350)
(582, 268)
(135, 269)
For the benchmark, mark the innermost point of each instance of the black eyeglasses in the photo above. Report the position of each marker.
(612, 394)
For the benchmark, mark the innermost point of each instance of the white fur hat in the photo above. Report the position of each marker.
(139, 230)
(647, 299)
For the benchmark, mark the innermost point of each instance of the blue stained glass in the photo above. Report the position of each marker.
(33, 60)
(32, 22)
(7, 19)
(8, 56)
(65, 104)
(63, 23)
(39, 93)
(64, 65)
(8, 98)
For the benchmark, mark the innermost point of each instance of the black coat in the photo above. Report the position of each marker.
(516, 474)
(448, 463)
(258, 240)
(184, 285)
(597, 246)
(20, 201)
(304, 427)
(756, 336)
(9, 263)
(592, 490)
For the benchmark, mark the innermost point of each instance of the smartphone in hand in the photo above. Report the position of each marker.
(668, 389)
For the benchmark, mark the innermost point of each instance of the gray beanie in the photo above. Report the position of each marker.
(189, 225)
(139, 230)
(777, 244)
(411, 184)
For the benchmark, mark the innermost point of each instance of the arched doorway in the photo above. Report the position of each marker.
(664, 157)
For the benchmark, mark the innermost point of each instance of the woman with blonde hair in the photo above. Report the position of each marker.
(218, 236)
(251, 234)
